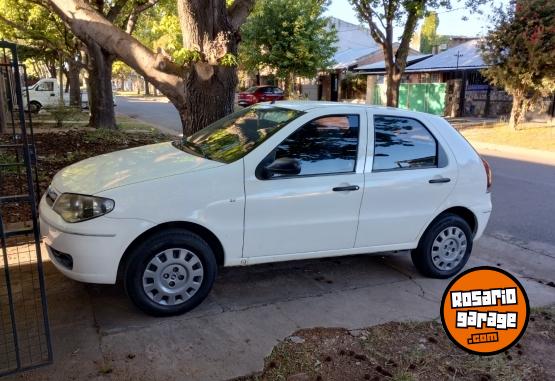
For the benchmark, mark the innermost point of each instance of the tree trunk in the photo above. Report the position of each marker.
(52, 69)
(209, 88)
(74, 68)
(288, 85)
(392, 90)
(61, 82)
(393, 74)
(101, 101)
(147, 88)
(66, 87)
(207, 100)
(517, 111)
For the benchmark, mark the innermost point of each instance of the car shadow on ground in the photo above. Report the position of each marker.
(240, 288)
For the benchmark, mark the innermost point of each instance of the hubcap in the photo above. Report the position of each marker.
(172, 276)
(449, 248)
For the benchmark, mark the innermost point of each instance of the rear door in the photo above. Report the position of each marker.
(409, 174)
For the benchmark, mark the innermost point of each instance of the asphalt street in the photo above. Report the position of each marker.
(523, 194)
(157, 111)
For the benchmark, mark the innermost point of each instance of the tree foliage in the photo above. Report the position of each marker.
(520, 50)
(382, 15)
(428, 33)
(43, 34)
(291, 37)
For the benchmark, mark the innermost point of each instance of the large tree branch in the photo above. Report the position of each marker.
(238, 12)
(367, 14)
(90, 26)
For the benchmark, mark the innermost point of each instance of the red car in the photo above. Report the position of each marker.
(257, 94)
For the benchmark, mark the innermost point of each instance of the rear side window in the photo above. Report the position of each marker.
(324, 146)
(402, 143)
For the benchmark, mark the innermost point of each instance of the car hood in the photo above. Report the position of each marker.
(126, 167)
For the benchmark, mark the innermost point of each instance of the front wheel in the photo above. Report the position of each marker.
(170, 273)
(34, 107)
(444, 248)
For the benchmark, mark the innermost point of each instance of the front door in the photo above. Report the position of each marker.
(409, 178)
(317, 208)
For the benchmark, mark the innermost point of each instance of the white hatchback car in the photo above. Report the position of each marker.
(272, 182)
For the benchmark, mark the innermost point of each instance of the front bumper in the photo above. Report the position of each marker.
(95, 246)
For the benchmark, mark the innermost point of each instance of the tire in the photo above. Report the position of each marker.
(444, 248)
(35, 107)
(176, 285)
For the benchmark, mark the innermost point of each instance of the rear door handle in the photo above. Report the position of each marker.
(440, 180)
(346, 188)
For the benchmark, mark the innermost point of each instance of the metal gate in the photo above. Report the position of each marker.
(24, 330)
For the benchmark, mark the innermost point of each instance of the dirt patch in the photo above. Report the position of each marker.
(58, 149)
(407, 351)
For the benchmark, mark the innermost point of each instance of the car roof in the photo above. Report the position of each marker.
(312, 105)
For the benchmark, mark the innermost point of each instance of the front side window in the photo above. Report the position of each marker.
(402, 143)
(46, 86)
(323, 146)
(234, 136)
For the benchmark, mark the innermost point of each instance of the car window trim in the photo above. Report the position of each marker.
(358, 115)
(402, 169)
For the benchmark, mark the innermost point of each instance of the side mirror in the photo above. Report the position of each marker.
(284, 166)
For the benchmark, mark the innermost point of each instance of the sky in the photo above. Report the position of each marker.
(450, 22)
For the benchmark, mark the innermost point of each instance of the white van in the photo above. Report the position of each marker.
(46, 93)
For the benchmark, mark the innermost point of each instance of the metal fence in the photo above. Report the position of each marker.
(24, 330)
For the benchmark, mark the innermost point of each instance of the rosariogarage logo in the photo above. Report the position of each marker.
(485, 310)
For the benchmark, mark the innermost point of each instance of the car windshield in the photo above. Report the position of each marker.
(234, 136)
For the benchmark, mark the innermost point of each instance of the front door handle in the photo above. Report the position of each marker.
(440, 180)
(346, 188)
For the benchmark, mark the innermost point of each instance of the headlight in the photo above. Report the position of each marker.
(78, 207)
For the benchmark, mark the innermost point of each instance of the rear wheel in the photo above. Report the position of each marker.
(444, 248)
(170, 273)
